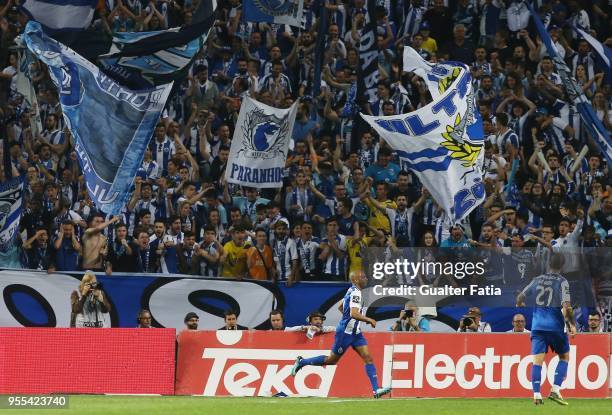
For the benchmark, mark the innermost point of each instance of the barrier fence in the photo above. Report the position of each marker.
(416, 365)
(58, 360)
(258, 363)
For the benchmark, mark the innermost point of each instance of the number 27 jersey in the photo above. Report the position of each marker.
(547, 293)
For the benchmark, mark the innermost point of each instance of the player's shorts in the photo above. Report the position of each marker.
(343, 341)
(542, 340)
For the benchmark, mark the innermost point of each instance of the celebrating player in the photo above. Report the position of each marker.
(553, 311)
(348, 333)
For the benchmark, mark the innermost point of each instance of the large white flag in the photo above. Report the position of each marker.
(443, 141)
(260, 144)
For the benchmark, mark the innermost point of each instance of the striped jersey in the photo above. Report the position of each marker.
(285, 252)
(334, 265)
(352, 299)
(307, 252)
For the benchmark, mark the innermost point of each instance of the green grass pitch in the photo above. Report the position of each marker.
(150, 405)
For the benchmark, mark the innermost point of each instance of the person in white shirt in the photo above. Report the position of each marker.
(518, 324)
(517, 15)
(568, 241)
(314, 325)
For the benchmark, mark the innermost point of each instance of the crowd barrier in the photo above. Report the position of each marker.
(56, 360)
(258, 363)
(249, 363)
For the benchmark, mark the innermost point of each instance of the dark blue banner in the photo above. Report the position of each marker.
(36, 299)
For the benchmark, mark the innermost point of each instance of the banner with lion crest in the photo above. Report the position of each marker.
(442, 142)
(260, 145)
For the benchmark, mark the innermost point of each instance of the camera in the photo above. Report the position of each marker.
(408, 313)
(467, 321)
(95, 285)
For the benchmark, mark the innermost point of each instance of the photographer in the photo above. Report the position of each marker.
(471, 322)
(89, 304)
(410, 319)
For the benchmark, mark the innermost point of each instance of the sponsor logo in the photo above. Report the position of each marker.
(407, 366)
(263, 372)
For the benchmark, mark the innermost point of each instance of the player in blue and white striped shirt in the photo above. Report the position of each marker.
(348, 333)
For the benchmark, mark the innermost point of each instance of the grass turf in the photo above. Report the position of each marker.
(150, 405)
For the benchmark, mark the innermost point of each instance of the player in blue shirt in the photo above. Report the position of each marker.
(348, 333)
(549, 293)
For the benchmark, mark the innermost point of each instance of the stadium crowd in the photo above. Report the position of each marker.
(342, 193)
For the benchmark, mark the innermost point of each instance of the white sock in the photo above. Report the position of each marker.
(537, 395)
(555, 389)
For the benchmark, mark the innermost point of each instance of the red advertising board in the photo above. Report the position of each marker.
(55, 360)
(251, 363)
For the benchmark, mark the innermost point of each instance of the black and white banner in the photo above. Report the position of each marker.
(260, 144)
(367, 81)
(11, 200)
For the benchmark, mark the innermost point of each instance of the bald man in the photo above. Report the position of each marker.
(348, 333)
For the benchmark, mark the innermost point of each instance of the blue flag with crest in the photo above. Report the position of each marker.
(111, 125)
(290, 12)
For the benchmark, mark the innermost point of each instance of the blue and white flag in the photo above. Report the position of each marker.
(442, 142)
(260, 145)
(26, 89)
(289, 12)
(111, 125)
(144, 59)
(146, 70)
(11, 200)
(593, 124)
(602, 50)
(60, 15)
(431, 73)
